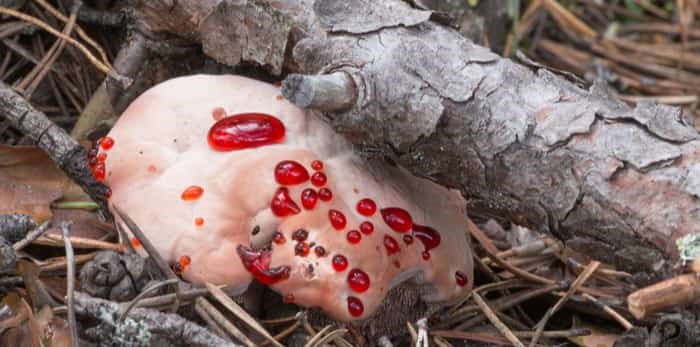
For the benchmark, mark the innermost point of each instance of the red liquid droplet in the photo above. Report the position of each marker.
(367, 228)
(282, 205)
(337, 219)
(184, 263)
(258, 264)
(308, 198)
(366, 207)
(325, 194)
(320, 251)
(101, 157)
(300, 235)
(391, 245)
(460, 278)
(319, 179)
(426, 255)
(354, 236)
(340, 263)
(301, 249)
(397, 219)
(192, 193)
(397, 264)
(358, 280)
(92, 153)
(289, 298)
(289, 172)
(199, 221)
(135, 242)
(427, 235)
(108, 193)
(245, 130)
(408, 239)
(278, 238)
(106, 143)
(152, 168)
(355, 306)
(218, 113)
(99, 171)
(317, 165)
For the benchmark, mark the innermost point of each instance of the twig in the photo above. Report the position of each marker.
(525, 334)
(166, 324)
(507, 333)
(317, 336)
(616, 316)
(223, 322)
(143, 294)
(328, 337)
(422, 339)
(70, 285)
(65, 152)
(240, 312)
(78, 242)
(98, 64)
(56, 13)
(211, 323)
(580, 280)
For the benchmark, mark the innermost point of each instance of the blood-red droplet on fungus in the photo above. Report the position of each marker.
(258, 264)
(278, 238)
(358, 280)
(309, 198)
(397, 264)
(367, 228)
(135, 242)
(108, 193)
(397, 219)
(340, 263)
(282, 205)
(300, 235)
(192, 193)
(461, 279)
(391, 245)
(355, 306)
(317, 165)
(354, 236)
(245, 130)
(289, 298)
(102, 157)
(301, 249)
(152, 168)
(426, 255)
(289, 172)
(320, 251)
(99, 171)
(319, 179)
(366, 207)
(199, 221)
(408, 239)
(337, 219)
(325, 194)
(428, 236)
(106, 143)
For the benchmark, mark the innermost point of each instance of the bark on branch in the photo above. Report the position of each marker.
(618, 183)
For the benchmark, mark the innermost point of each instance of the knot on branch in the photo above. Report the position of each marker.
(114, 276)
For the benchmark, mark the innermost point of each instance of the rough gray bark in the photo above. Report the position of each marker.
(68, 155)
(522, 143)
(143, 325)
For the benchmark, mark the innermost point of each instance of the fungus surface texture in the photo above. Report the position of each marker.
(232, 184)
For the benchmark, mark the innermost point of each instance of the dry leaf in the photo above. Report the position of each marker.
(29, 181)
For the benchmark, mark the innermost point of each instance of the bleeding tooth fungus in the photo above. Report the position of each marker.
(272, 167)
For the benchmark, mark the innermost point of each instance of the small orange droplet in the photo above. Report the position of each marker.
(135, 242)
(199, 221)
(192, 193)
(184, 261)
(108, 193)
(218, 113)
(152, 168)
(279, 97)
(102, 157)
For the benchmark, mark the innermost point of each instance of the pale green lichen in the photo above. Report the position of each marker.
(688, 247)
